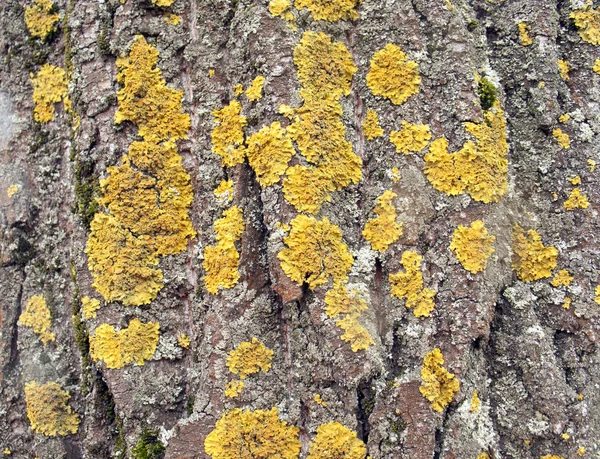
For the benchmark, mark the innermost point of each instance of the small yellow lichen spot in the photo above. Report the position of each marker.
(49, 411)
(563, 67)
(575, 180)
(7, 451)
(580, 397)
(334, 440)
(224, 192)
(592, 164)
(564, 118)
(172, 19)
(527, 442)
(50, 87)
(411, 138)
(163, 3)
(395, 175)
(269, 152)
(234, 388)
(252, 434)
(541, 84)
(581, 451)
(319, 401)
(315, 251)
(524, 30)
(565, 436)
(255, 90)
(576, 200)
(562, 138)
(37, 316)
(238, 89)
(475, 402)
(562, 277)
(392, 75)
(12, 190)
(587, 20)
(473, 246)
(371, 126)
(567, 303)
(483, 455)
(439, 386)
(89, 307)
(249, 358)
(531, 259)
(384, 229)
(228, 134)
(184, 341)
(409, 285)
(330, 10)
(40, 19)
(597, 294)
(596, 66)
(211, 73)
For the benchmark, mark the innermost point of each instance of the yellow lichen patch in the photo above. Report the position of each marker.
(252, 435)
(172, 19)
(249, 357)
(562, 138)
(50, 87)
(473, 246)
(384, 229)
(597, 294)
(524, 30)
(211, 73)
(411, 138)
(475, 402)
(565, 436)
(282, 9)
(564, 118)
(37, 316)
(315, 251)
(408, 285)
(575, 180)
(334, 440)
(12, 190)
(592, 164)
(234, 388)
(224, 192)
(563, 68)
(596, 66)
(551, 456)
(354, 333)
(330, 10)
(439, 386)
(228, 134)
(255, 91)
(587, 20)
(562, 277)
(89, 306)
(307, 188)
(576, 200)
(48, 409)
(145, 99)
(238, 89)
(581, 451)
(319, 400)
(184, 341)
(371, 126)
(221, 260)
(567, 303)
(269, 152)
(395, 175)
(40, 19)
(392, 75)
(531, 259)
(116, 349)
(483, 455)
(163, 3)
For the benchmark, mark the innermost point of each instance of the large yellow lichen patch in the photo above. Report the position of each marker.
(89, 306)
(392, 75)
(587, 20)
(473, 246)
(228, 134)
(40, 19)
(330, 10)
(37, 316)
(48, 409)
(249, 357)
(50, 87)
(252, 435)
(136, 343)
(334, 440)
(531, 259)
(439, 385)
(384, 229)
(315, 251)
(269, 152)
(411, 138)
(576, 200)
(408, 285)
(562, 277)
(371, 126)
(255, 91)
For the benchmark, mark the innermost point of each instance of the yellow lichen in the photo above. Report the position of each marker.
(596, 66)
(575, 180)
(184, 341)
(116, 349)
(567, 303)
(269, 152)
(439, 386)
(221, 260)
(592, 164)
(234, 388)
(384, 229)
(371, 126)
(224, 192)
(564, 118)
(282, 9)
(524, 30)
(475, 402)
(483, 455)
(587, 20)
(395, 175)
(238, 89)
(565, 436)
(249, 358)
(40, 19)
(392, 75)
(531, 259)
(319, 400)
(228, 134)
(89, 307)
(211, 73)
(550, 456)
(562, 138)
(563, 67)
(50, 87)
(336, 441)
(409, 285)
(562, 277)
(581, 451)
(252, 435)
(12, 190)
(473, 246)
(37, 316)
(315, 251)
(255, 91)
(330, 10)
(172, 19)
(163, 3)
(597, 294)
(48, 409)
(576, 200)
(412, 137)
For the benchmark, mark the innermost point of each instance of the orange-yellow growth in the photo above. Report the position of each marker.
(576, 200)
(439, 385)
(255, 91)
(50, 86)
(371, 126)
(330, 10)
(596, 66)
(249, 357)
(228, 134)
(392, 75)
(89, 307)
(184, 341)
(551, 456)
(563, 68)
(37, 316)
(336, 441)
(411, 138)
(524, 30)
(383, 230)
(475, 402)
(531, 259)
(40, 19)
(234, 388)
(224, 192)
(562, 138)
(48, 409)
(473, 246)
(597, 294)
(587, 20)
(562, 277)
(269, 152)
(12, 190)
(408, 285)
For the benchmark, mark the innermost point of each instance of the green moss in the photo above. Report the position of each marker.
(472, 25)
(397, 426)
(149, 446)
(86, 189)
(190, 405)
(487, 93)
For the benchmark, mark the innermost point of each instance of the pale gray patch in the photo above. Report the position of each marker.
(6, 120)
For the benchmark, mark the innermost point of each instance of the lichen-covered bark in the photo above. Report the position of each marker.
(534, 362)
